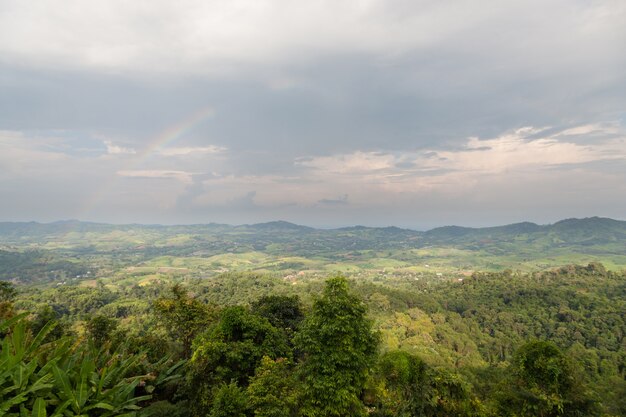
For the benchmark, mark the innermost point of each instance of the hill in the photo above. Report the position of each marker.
(284, 246)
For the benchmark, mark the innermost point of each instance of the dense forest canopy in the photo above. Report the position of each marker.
(548, 343)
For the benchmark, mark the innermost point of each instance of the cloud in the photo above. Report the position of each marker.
(355, 163)
(591, 129)
(398, 179)
(514, 172)
(513, 152)
(245, 202)
(413, 108)
(510, 155)
(113, 149)
(23, 155)
(182, 151)
(380, 76)
(186, 177)
(341, 201)
(208, 37)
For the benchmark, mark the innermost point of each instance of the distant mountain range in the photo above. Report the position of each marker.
(603, 234)
(280, 245)
(579, 230)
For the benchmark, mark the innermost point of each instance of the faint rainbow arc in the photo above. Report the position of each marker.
(172, 133)
(164, 137)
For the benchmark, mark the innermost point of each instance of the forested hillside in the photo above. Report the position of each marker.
(247, 344)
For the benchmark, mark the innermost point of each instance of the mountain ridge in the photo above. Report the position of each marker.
(282, 245)
(282, 224)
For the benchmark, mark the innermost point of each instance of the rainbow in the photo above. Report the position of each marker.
(162, 139)
(171, 133)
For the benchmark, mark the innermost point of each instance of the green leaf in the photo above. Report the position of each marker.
(86, 369)
(39, 408)
(63, 382)
(36, 343)
(6, 324)
(101, 405)
(6, 405)
(61, 408)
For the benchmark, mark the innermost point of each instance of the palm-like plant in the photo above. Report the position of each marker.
(63, 378)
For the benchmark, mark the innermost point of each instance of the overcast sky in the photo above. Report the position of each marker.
(327, 113)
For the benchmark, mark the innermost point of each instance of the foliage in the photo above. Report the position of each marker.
(272, 390)
(231, 350)
(399, 376)
(448, 343)
(543, 384)
(100, 329)
(43, 316)
(229, 401)
(165, 409)
(7, 291)
(182, 316)
(404, 386)
(62, 379)
(7, 294)
(282, 311)
(338, 347)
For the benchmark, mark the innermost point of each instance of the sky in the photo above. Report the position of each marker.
(413, 113)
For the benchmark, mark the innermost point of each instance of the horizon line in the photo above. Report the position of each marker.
(67, 221)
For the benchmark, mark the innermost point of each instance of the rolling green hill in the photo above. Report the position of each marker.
(284, 246)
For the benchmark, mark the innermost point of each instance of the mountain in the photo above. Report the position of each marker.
(587, 230)
(593, 236)
(278, 226)
(592, 230)
(570, 231)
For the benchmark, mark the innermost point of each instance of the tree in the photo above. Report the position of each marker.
(544, 384)
(100, 329)
(183, 317)
(271, 392)
(230, 351)
(7, 295)
(284, 312)
(398, 382)
(230, 401)
(338, 348)
(43, 316)
(7, 291)
(407, 387)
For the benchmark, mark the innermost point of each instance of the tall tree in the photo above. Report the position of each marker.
(338, 348)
